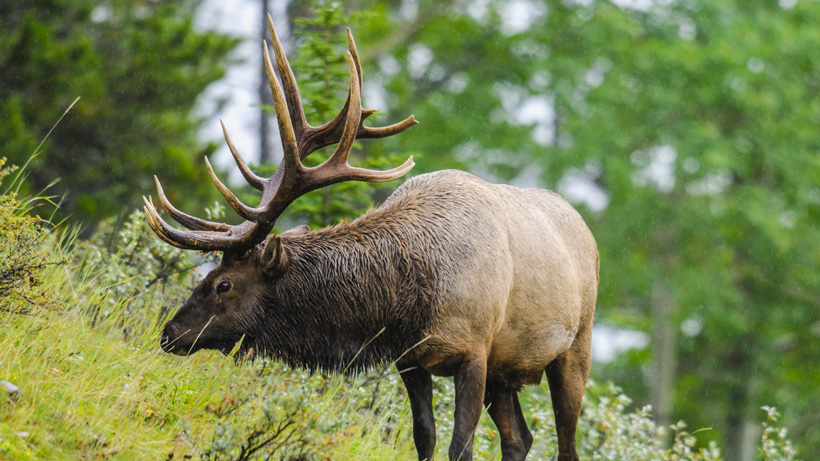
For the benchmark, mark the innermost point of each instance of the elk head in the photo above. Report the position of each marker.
(227, 300)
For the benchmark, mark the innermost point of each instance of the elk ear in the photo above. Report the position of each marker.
(274, 258)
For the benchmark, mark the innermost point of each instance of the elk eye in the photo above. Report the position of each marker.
(223, 287)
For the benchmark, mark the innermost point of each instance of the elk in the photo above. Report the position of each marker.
(451, 276)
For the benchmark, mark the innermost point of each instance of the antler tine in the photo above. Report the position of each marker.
(295, 110)
(191, 222)
(160, 227)
(353, 116)
(361, 174)
(291, 151)
(351, 45)
(385, 131)
(246, 212)
(236, 238)
(253, 179)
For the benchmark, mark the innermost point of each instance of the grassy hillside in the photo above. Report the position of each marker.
(84, 393)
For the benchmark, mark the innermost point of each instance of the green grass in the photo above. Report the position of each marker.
(86, 394)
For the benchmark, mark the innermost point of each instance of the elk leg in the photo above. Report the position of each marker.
(419, 385)
(470, 381)
(567, 376)
(505, 410)
(526, 435)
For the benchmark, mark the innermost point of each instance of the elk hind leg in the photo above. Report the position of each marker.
(567, 376)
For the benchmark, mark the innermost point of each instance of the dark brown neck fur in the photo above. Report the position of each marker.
(352, 296)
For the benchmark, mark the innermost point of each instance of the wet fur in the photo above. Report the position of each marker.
(352, 297)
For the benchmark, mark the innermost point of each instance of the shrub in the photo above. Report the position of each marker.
(774, 446)
(296, 415)
(290, 414)
(24, 253)
(142, 279)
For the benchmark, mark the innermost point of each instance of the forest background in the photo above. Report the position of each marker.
(686, 133)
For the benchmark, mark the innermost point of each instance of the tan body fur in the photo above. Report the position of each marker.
(517, 274)
(523, 283)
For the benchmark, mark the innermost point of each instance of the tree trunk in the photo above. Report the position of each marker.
(741, 431)
(265, 98)
(664, 349)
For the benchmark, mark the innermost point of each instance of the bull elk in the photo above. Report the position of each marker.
(451, 276)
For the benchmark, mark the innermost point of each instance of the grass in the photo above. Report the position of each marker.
(86, 394)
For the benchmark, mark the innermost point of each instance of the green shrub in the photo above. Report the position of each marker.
(140, 278)
(25, 254)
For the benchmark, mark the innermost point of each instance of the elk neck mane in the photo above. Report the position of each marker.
(354, 295)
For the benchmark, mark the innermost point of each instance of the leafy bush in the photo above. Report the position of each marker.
(288, 423)
(292, 417)
(24, 253)
(277, 412)
(142, 279)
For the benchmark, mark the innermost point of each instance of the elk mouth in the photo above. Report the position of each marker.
(177, 343)
(181, 346)
(173, 346)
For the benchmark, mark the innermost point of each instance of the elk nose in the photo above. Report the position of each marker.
(165, 340)
(164, 343)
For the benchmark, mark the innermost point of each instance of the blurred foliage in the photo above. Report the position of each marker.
(138, 66)
(293, 421)
(698, 120)
(692, 123)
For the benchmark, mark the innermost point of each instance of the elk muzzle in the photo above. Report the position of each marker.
(175, 341)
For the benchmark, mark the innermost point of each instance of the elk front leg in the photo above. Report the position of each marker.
(470, 381)
(419, 385)
(505, 410)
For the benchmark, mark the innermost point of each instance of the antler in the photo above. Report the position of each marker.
(291, 179)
